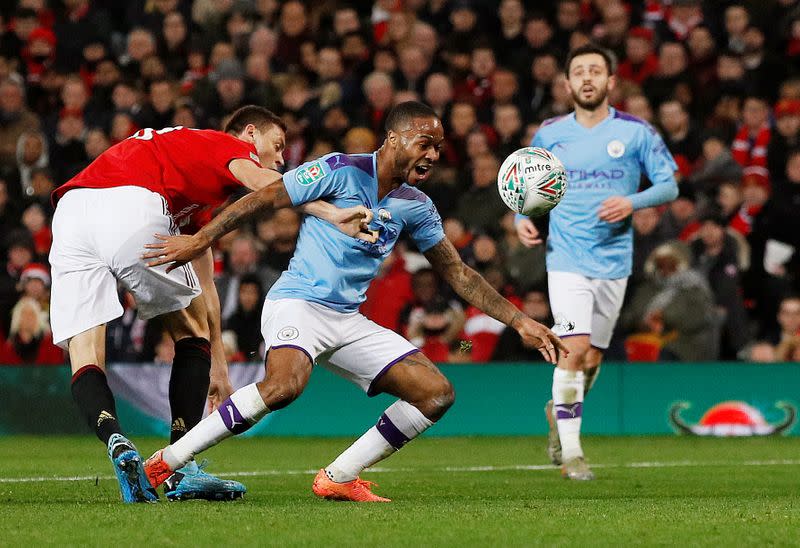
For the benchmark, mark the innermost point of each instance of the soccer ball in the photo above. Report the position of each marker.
(532, 181)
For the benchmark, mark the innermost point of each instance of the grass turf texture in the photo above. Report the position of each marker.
(691, 492)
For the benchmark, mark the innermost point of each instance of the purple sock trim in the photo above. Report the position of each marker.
(569, 410)
(382, 372)
(232, 418)
(300, 348)
(391, 433)
(574, 335)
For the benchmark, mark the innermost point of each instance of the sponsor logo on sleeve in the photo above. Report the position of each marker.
(310, 174)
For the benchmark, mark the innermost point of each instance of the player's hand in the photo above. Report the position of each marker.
(177, 250)
(354, 221)
(536, 335)
(527, 233)
(615, 209)
(219, 390)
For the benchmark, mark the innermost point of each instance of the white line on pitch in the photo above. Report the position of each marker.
(452, 469)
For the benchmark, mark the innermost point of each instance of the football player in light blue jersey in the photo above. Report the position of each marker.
(590, 242)
(311, 313)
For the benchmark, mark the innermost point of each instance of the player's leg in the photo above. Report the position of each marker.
(608, 298)
(591, 368)
(188, 390)
(425, 395)
(381, 361)
(288, 368)
(84, 297)
(287, 372)
(189, 379)
(571, 300)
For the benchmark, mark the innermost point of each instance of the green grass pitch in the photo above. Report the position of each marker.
(670, 491)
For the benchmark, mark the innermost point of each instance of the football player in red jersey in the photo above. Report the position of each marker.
(153, 182)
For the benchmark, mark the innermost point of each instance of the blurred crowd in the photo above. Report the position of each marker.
(716, 271)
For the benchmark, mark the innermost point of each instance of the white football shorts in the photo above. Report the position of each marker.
(346, 343)
(591, 305)
(98, 239)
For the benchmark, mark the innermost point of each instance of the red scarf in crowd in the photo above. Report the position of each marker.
(749, 151)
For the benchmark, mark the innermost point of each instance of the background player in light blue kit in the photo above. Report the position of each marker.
(311, 313)
(590, 244)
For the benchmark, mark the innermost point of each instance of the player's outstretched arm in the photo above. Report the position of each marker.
(179, 250)
(353, 221)
(475, 290)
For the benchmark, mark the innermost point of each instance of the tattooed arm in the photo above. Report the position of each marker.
(179, 250)
(474, 289)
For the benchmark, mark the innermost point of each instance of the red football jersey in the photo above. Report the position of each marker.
(188, 167)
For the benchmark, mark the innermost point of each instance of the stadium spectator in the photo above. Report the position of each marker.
(715, 165)
(681, 137)
(671, 80)
(20, 252)
(786, 135)
(613, 28)
(243, 259)
(674, 305)
(788, 320)
(15, 119)
(389, 293)
(544, 69)
(480, 207)
(640, 61)
(751, 142)
(476, 88)
(681, 19)
(426, 288)
(279, 239)
(511, 15)
(245, 322)
(32, 153)
(29, 340)
(125, 336)
(509, 346)
(737, 21)
(716, 257)
(648, 234)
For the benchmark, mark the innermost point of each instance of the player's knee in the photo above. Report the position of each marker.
(441, 397)
(283, 385)
(578, 349)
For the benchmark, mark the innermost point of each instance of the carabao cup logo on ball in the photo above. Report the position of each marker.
(532, 181)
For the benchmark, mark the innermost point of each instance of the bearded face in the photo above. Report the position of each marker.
(589, 81)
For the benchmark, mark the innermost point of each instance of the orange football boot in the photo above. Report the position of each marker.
(156, 469)
(357, 490)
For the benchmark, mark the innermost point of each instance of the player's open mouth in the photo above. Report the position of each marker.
(422, 170)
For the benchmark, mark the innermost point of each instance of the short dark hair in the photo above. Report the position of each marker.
(260, 117)
(403, 113)
(590, 48)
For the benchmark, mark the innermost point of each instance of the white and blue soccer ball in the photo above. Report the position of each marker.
(532, 181)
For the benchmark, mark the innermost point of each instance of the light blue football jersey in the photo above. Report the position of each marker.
(330, 267)
(603, 161)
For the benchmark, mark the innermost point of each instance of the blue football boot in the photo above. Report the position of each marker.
(133, 483)
(192, 482)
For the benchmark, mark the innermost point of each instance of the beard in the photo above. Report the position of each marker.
(593, 103)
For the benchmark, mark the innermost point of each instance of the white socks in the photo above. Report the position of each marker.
(398, 425)
(568, 406)
(235, 415)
